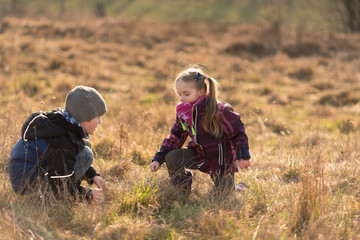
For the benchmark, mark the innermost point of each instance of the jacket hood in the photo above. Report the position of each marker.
(49, 124)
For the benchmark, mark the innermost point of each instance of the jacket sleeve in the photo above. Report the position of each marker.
(235, 130)
(90, 174)
(175, 140)
(60, 172)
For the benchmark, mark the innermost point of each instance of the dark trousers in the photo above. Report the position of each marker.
(179, 159)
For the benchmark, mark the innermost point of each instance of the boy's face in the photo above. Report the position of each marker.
(90, 126)
(187, 91)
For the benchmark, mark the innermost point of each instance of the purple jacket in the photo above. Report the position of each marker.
(213, 155)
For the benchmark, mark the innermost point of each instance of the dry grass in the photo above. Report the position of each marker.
(299, 98)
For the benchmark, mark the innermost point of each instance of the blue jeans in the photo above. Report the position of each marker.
(83, 161)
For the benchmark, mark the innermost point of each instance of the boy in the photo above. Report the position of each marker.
(52, 148)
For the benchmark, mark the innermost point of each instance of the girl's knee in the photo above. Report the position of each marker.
(171, 157)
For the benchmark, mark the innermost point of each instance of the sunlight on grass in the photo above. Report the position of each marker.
(300, 109)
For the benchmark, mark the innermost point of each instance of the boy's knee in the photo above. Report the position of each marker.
(88, 151)
(87, 155)
(87, 142)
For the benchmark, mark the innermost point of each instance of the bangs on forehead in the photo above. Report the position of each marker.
(188, 84)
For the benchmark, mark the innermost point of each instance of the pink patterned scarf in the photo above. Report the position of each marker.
(184, 111)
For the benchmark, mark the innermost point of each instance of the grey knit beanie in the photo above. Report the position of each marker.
(84, 103)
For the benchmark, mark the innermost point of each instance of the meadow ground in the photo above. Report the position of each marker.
(298, 93)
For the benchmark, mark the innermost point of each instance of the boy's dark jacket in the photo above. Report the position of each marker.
(53, 158)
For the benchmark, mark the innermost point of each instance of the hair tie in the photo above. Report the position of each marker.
(197, 78)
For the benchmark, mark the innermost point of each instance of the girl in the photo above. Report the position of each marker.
(218, 144)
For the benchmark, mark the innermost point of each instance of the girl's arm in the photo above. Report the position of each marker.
(175, 140)
(235, 130)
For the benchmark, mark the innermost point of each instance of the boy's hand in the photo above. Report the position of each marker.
(97, 194)
(100, 183)
(154, 166)
(243, 163)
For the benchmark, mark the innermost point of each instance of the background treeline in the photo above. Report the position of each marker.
(342, 15)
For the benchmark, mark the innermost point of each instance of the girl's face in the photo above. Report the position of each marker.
(187, 91)
(90, 126)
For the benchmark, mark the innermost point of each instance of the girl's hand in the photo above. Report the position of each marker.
(100, 183)
(154, 166)
(97, 194)
(243, 163)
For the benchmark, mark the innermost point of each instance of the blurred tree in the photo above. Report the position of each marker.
(352, 11)
(289, 3)
(254, 4)
(62, 7)
(273, 13)
(348, 14)
(100, 10)
(14, 5)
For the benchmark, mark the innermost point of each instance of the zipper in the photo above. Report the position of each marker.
(201, 164)
(221, 156)
(195, 123)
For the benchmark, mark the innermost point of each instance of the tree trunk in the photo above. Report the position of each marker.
(62, 7)
(352, 11)
(100, 10)
(14, 5)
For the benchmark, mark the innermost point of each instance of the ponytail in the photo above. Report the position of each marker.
(211, 122)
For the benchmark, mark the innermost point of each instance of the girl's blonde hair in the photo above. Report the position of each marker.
(210, 122)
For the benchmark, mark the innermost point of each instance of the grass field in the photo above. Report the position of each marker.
(298, 92)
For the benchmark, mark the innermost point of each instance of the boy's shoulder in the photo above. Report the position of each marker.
(40, 116)
(43, 114)
(43, 124)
